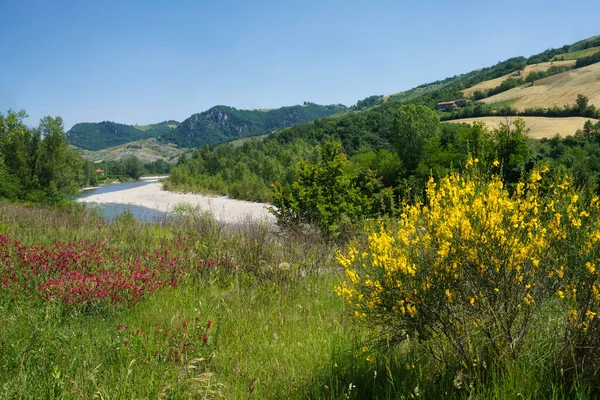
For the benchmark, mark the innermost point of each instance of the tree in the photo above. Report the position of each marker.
(133, 167)
(331, 195)
(582, 103)
(532, 77)
(61, 168)
(414, 126)
(512, 151)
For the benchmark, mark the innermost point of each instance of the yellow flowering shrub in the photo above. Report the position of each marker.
(469, 266)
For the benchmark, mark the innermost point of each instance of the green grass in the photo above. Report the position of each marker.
(278, 330)
(501, 104)
(574, 55)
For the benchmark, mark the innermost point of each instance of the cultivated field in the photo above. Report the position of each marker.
(540, 127)
(557, 90)
(493, 83)
(147, 150)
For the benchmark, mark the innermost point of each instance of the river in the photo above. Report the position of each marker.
(110, 211)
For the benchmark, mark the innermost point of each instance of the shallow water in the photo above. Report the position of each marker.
(111, 211)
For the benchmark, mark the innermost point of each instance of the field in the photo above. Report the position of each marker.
(147, 150)
(191, 309)
(574, 55)
(557, 90)
(493, 83)
(540, 127)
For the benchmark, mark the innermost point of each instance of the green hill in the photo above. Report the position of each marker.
(222, 124)
(101, 135)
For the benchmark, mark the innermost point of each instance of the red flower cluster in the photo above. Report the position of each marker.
(92, 274)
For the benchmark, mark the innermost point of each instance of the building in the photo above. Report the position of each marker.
(446, 106)
(100, 172)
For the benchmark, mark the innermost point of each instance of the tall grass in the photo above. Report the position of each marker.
(277, 328)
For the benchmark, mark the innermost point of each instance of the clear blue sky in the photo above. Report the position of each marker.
(148, 61)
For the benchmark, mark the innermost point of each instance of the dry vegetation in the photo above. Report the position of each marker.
(557, 90)
(493, 83)
(540, 127)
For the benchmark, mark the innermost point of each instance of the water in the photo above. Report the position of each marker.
(111, 211)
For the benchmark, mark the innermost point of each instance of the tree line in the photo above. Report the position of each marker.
(37, 165)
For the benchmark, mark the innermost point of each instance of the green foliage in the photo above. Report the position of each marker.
(101, 135)
(36, 164)
(223, 124)
(330, 195)
(368, 102)
(585, 61)
(414, 127)
(133, 167)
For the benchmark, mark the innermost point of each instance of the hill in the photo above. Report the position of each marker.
(101, 135)
(493, 83)
(557, 90)
(147, 150)
(222, 123)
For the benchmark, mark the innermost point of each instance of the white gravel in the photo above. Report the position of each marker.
(153, 196)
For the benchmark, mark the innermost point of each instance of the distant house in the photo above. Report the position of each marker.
(446, 106)
(451, 105)
(100, 172)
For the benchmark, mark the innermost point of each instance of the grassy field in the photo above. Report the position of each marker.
(540, 127)
(558, 90)
(574, 55)
(493, 83)
(234, 312)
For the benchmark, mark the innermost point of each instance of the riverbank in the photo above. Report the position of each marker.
(152, 196)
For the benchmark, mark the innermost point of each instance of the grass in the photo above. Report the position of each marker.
(277, 329)
(574, 55)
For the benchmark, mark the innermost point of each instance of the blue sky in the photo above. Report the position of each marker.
(148, 61)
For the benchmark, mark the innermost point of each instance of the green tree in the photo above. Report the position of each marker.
(331, 195)
(511, 149)
(415, 125)
(532, 77)
(582, 103)
(133, 167)
(61, 168)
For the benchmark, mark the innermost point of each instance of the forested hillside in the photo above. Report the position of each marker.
(391, 136)
(101, 135)
(222, 124)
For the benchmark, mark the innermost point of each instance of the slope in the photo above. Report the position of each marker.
(557, 90)
(101, 135)
(222, 124)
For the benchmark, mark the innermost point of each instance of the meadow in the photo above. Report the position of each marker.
(194, 309)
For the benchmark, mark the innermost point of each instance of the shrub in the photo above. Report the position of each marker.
(466, 271)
